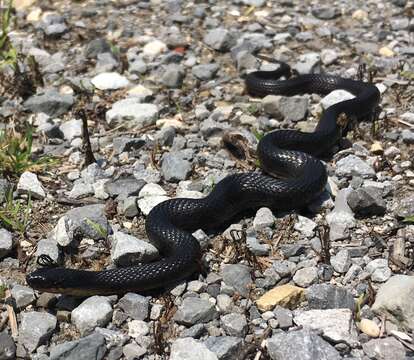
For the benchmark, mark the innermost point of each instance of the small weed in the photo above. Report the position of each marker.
(8, 53)
(16, 154)
(3, 289)
(14, 214)
(252, 109)
(98, 228)
(409, 219)
(257, 134)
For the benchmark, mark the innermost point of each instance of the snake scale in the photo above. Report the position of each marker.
(292, 177)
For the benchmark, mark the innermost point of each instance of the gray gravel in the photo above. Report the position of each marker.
(161, 83)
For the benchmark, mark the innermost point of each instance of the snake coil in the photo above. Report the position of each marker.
(293, 177)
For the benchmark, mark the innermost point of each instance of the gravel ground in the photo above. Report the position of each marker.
(160, 86)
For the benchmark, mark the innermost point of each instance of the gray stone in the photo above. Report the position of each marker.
(336, 325)
(165, 137)
(194, 310)
(309, 63)
(22, 295)
(367, 201)
(128, 207)
(238, 277)
(284, 268)
(220, 39)
(94, 311)
(225, 347)
(387, 348)
(325, 12)
(51, 103)
(256, 247)
(264, 218)
(404, 207)
(284, 317)
(71, 129)
(379, 270)
(134, 305)
(132, 113)
(96, 47)
(133, 351)
(293, 108)
(312, 346)
(91, 347)
(124, 143)
(341, 261)
(306, 276)
(305, 226)
(289, 250)
(36, 329)
(327, 296)
(234, 324)
(30, 184)
(173, 76)
(6, 242)
(89, 221)
(352, 165)
(341, 219)
(407, 136)
(174, 167)
(394, 299)
(205, 71)
(329, 56)
(128, 250)
(7, 347)
(195, 331)
(186, 348)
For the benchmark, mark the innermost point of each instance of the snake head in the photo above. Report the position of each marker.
(47, 279)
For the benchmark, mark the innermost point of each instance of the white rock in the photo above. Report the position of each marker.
(94, 311)
(29, 183)
(154, 48)
(110, 81)
(137, 328)
(71, 129)
(132, 112)
(335, 97)
(305, 226)
(63, 233)
(128, 250)
(186, 348)
(336, 324)
(150, 196)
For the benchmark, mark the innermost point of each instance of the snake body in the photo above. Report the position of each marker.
(294, 176)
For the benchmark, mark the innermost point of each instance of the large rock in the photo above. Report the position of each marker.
(367, 201)
(352, 165)
(36, 329)
(7, 347)
(132, 113)
(128, 250)
(327, 296)
(238, 277)
(136, 306)
(341, 218)
(30, 184)
(91, 347)
(395, 300)
(194, 310)
(388, 348)
(225, 347)
(336, 325)
(300, 345)
(94, 311)
(188, 349)
(6, 242)
(51, 103)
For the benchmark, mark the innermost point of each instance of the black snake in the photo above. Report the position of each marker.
(294, 177)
